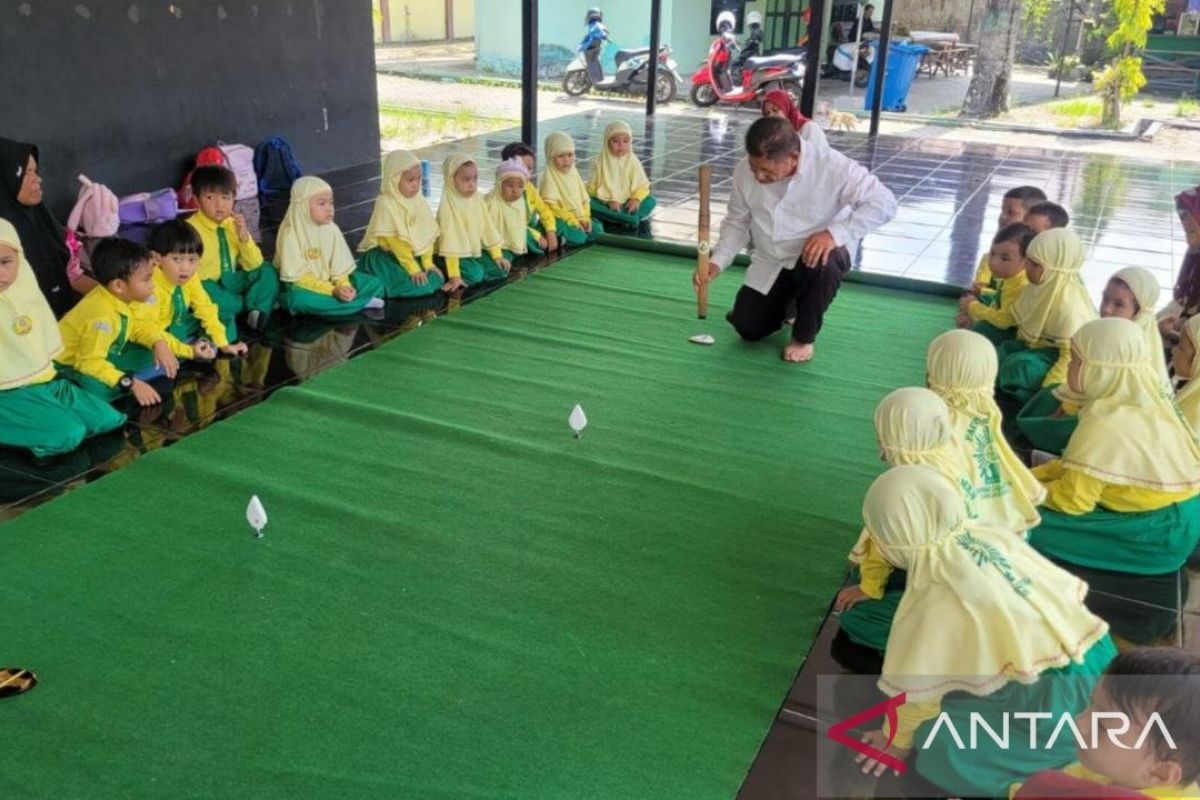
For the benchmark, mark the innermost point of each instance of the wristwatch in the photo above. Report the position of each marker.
(126, 383)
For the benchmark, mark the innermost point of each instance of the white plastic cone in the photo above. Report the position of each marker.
(256, 515)
(577, 420)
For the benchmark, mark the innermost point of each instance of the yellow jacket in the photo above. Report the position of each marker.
(539, 207)
(241, 254)
(404, 254)
(1072, 492)
(171, 302)
(1000, 313)
(100, 325)
(983, 275)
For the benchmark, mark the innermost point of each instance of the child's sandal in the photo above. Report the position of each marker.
(15, 681)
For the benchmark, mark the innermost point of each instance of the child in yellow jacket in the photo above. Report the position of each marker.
(232, 268)
(398, 245)
(1013, 207)
(39, 411)
(618, 185)
(545, 221)
(109, 350)
(1006, 266)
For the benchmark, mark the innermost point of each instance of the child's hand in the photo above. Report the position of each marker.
(632, 206)
(965, 301)
(543, 242)
(962, 321)
(614, 205)
(420, 278)
(144, 393)
(1167, 325)
(848, 598)
(453, 285)
(203, 350)
(878, 740)
(505, 264)
(552, 240)
(586, 225)
(977, 288)
(345, 293)
(235, 349)
(164, 358)
(243, 230)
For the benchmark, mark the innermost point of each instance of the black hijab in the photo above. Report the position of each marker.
(42, 237)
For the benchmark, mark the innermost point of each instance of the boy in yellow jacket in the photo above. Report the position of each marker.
(231, 267)
(107, 349)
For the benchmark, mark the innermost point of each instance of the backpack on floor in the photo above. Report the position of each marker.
(238, 158)
(95, 212)
(276, 165)
(146, 208)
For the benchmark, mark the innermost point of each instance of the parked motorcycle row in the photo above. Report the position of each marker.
(732, 73)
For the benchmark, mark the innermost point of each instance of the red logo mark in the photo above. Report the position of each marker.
(838, 732)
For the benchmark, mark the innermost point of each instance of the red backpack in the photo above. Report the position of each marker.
(237, 157)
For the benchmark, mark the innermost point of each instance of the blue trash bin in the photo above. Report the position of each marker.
(903, 61)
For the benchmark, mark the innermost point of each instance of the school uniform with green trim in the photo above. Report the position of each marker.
(184, 312)
(233, 272)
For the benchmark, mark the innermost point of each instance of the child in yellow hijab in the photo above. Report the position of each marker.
(566, 194)
(913, 426)
(1048, 313)
(618, 185)
(1050, 417)
(1186, 357)
(508, 206)
(986, 627)
(398, 245)
(1124, 495)
(315, 264)
(39, 411)
(469, 241)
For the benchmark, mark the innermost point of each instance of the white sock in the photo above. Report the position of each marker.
(375, 302)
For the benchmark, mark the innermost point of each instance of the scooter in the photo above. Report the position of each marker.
(843, 63)
(760, 74)
(633, 72)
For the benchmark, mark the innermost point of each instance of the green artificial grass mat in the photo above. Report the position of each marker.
(455, 597)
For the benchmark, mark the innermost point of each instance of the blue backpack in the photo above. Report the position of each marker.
(276, 165)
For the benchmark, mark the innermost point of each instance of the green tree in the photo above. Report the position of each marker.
(1122, 78)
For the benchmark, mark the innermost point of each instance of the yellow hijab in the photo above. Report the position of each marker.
(1189, 396)
(305, 249)
(1049, 313)
(406, 218)
(999, 611)
(1145, 290)
(466, 228)
(961, 367)
(511, 219)
(564, 188)
(1130, 431)
(29, 337)
(616, 179)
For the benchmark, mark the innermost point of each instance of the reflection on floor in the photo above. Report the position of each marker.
(950, 195)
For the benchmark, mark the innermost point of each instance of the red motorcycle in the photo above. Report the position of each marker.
(714, 80)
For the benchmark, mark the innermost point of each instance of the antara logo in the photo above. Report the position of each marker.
(1066, 726)
(839, 732)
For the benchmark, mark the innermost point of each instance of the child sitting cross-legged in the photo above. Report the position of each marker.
(398, 245)
(618, 186)
(508, 206)
(179, 305)
(565, 192)
(231, 266)
(1006, 265)
(39, 411)
(469, 241)
(1131, 757)
(546, 223)
(315, 263)
(107, 349)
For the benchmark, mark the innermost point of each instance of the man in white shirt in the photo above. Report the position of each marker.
(798, 211)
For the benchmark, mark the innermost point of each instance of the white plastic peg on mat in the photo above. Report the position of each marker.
(702, 338)
(577, 420)
(256, 515)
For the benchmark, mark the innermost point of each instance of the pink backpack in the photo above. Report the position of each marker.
(95, 212)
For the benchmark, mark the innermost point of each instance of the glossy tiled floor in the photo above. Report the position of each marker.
(949, 193)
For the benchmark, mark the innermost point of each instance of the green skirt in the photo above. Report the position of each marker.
(480, 270)
(621, 218)
(870, 622)
(1141, 543)
(299, 301)
(987, 770)
(576, 236)
(1042, 430)
(997, 336)
(395, 280)
(1023, 370)
(53, 418)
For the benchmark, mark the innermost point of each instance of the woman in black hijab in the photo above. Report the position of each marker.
(42, 237)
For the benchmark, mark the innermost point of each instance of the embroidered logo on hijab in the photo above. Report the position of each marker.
(313, 254)
(22, 325)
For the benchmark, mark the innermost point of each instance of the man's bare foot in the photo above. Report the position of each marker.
(798, 353)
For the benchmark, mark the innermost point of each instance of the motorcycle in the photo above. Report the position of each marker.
(633, 70)
(843, 63)
(759, 75)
